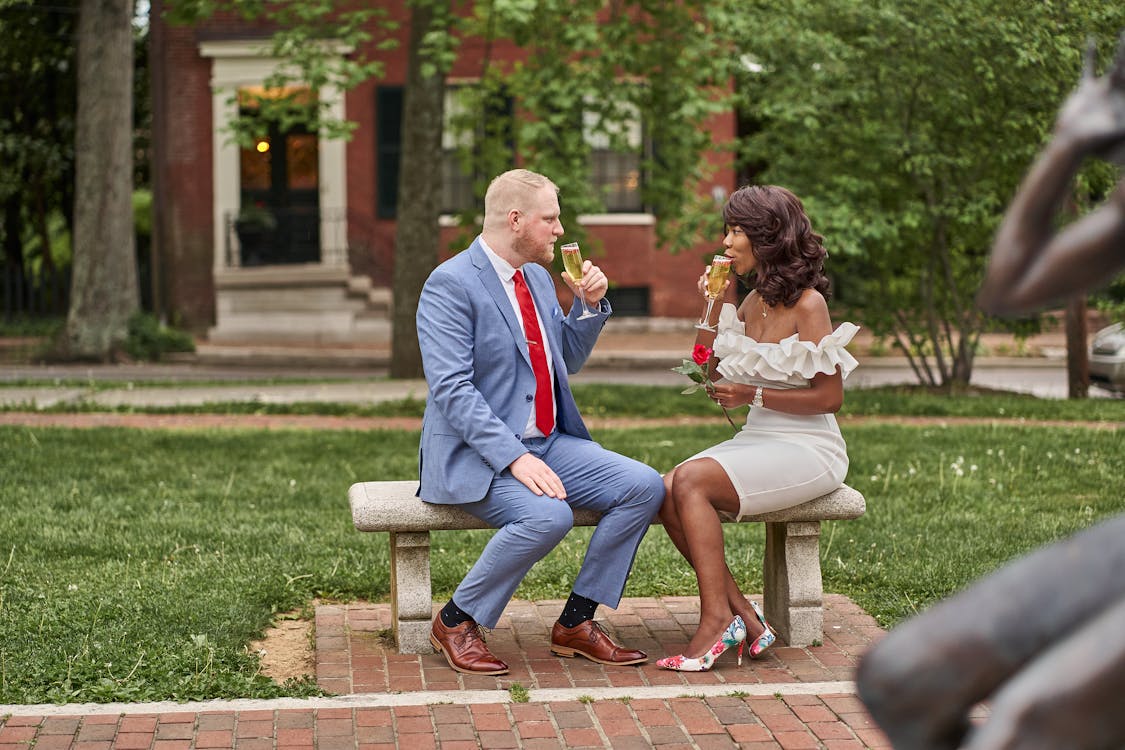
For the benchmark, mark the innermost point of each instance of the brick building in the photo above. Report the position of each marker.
(319, 268)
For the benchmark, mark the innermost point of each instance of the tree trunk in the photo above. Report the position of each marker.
(1077, 358)
(158, 97)
(419, 193)
(104, 290)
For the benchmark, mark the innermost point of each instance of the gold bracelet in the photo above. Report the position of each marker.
(757, 397)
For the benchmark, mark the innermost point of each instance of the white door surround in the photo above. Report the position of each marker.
(299, 303)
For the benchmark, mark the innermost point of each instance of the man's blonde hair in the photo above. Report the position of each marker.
(512, 189)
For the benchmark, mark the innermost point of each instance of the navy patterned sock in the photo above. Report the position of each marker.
(452, 615)
(578, 610)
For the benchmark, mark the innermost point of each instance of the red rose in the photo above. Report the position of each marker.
(700, 354)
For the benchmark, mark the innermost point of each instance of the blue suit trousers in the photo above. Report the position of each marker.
(626, 492)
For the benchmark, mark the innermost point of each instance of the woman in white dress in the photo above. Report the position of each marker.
(778, 353)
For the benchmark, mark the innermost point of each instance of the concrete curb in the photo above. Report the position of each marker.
(433, 698)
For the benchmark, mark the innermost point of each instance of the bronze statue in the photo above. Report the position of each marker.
(1031, 264)
(1041, 641)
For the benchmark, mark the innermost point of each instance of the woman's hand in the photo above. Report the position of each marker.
(729, 395)
(701, 284)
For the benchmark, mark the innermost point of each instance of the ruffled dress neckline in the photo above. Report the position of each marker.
(790, 361)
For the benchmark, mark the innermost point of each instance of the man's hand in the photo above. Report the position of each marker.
(538, 476)
(594, 283)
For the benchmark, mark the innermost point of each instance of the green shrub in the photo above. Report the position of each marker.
(31, 327)
(150, 340)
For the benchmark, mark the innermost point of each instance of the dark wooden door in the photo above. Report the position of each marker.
(279, 221)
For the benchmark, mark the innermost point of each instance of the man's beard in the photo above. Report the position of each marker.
(537, 252)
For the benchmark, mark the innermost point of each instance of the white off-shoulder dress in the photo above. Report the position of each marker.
(778, 460)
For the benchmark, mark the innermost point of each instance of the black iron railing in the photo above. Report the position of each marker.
(286, 236)
(26, 295)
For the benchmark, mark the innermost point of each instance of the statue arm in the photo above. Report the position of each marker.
(1031, 264)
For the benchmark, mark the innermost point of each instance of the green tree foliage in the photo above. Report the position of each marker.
(667, 62)
(37, 87)
(906, 125)
(323, 43)
(586, 67)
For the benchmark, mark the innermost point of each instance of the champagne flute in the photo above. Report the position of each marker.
(572, 261)
(716, 278)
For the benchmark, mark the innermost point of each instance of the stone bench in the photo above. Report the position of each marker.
(793, 594)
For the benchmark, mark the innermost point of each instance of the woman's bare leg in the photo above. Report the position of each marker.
(736, 600)
(671, 519)
(700, 489)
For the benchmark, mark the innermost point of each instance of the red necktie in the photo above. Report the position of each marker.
(544, 397)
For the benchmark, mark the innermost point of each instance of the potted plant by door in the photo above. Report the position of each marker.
(255, 226)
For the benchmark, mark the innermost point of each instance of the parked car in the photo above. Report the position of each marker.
(1107, 358)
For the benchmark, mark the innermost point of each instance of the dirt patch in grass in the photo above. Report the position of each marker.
(286, 650)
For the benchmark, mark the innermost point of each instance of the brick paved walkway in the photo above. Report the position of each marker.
(790, 698)
(353, 658)
(788, 721)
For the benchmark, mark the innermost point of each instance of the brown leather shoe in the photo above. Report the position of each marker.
(464, 648)
(590, 640)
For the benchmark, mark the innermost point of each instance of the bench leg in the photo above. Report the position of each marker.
(794, 591)
(411, 597)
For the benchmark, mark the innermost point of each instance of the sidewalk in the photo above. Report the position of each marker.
(789, 698)
(625, 353)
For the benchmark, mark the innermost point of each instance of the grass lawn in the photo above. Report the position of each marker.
(137, 565)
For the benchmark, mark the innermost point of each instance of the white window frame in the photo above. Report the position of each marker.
(632, 130)
(635, 134)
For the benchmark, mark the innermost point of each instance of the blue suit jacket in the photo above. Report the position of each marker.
(481, 386)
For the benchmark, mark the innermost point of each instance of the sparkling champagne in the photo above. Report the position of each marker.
(717, 275)
(572, 261)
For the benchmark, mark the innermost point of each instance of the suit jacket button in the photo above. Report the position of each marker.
(530, 397)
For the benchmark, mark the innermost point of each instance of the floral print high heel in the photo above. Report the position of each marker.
(765, 640)
(734, 635)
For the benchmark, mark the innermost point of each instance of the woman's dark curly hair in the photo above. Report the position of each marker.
(789, 253)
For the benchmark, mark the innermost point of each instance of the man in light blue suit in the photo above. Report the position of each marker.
(502, 436)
